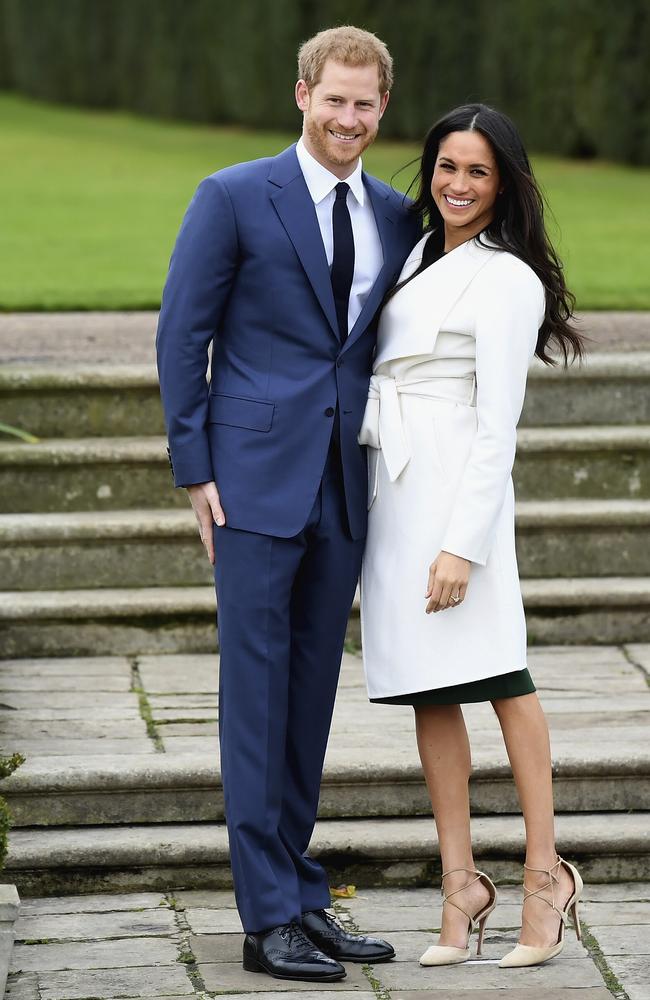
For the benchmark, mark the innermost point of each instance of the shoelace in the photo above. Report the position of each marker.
(293, 934)
(333, 925)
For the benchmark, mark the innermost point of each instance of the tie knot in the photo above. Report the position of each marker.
(342, 191)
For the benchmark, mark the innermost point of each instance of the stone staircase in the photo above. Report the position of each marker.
(106, 591)
(98, 548)
(121, 788)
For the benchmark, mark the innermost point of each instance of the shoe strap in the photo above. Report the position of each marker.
(552, 881)
(446, 898)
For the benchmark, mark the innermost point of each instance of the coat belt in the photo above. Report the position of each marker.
(382, 425)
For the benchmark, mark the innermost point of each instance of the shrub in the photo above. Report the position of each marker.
(575, 76)
(7, 766)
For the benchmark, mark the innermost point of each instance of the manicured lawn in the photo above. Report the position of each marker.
(92, 202)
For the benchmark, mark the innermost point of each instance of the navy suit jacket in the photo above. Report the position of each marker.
(249, 274)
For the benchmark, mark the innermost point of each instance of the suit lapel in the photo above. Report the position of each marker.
(296, 212)
(385, 219)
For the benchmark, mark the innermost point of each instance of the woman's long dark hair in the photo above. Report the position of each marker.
(518, 223)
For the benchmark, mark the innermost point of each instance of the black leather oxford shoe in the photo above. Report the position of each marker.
(330, 937)
(287, 953)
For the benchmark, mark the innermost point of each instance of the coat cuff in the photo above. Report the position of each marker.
(477, 556)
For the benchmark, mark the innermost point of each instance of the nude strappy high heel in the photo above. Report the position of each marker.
(446, 954)
(524, 954)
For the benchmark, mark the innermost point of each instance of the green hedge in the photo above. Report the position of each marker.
(575, 75)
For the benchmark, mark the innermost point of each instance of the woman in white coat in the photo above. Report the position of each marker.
(441, 609)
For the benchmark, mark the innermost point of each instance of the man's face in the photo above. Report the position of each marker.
(341, 114)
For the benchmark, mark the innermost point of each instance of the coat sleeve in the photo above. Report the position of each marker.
(510, 311)
(199, 281)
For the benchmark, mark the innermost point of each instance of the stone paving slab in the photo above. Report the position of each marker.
(603, 915)
(69, 699)
(137, 962)
(524, 990)
(77, 666)
(635, 992)
(632, 971)
(67, 714)
(214, 948)
(117, 954)
(208, 898)
(568, 974)
(628, 939)
(23, 986)
(230, 977)
(211, 948)
(410, 945)
(59, 729)
(54, 682)
(99, 903)
(104, 984)
(208, 921)
(83, 926)
(284, 991)
(626, 892)
(81, 748)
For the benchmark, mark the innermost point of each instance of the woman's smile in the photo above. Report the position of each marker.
(458, 202)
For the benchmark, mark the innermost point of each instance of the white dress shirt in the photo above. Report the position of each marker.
(368, 255)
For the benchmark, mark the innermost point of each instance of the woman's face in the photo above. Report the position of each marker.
(465, 184)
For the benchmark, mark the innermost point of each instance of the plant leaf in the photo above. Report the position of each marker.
(17, 432)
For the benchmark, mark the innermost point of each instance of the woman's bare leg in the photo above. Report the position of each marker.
(525, 732)
(445, 754)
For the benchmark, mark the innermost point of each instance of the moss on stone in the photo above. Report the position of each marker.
(7, 766)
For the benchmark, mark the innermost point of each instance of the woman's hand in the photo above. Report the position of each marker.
(448, 579)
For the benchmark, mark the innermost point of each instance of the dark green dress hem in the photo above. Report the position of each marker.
(511, 685)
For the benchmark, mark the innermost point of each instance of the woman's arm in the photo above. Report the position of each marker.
(510, 311)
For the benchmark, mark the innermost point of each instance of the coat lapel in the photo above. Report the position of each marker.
(411, 321)
(296, 211)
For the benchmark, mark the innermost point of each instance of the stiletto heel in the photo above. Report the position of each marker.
(481, 932)
(523, 954)
(576, 920)
(438, 954)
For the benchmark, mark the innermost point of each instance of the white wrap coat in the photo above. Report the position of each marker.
(454, 347)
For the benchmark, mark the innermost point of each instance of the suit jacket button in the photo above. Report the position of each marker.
(329, 412)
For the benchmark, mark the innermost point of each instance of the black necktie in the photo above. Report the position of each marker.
(343, 260)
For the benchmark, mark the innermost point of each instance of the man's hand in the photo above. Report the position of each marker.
(448, 579)
(207, 509)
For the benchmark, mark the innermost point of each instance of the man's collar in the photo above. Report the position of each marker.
(320, 181)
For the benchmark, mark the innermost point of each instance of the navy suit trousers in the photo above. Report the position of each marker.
(283, 606)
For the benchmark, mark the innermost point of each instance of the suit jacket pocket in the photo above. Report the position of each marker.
(239, 411)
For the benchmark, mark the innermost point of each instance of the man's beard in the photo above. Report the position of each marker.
(325, 144)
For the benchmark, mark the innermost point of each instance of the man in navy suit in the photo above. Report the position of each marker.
(282, 264)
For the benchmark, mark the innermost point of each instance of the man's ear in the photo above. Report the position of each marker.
(302, 95)
(383, 102)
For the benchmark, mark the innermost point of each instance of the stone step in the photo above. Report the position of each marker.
(103, 400)
(132, 472)
(608, 847)
(171, 619)
(82, 400)
(59, 790)
(161, 548)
